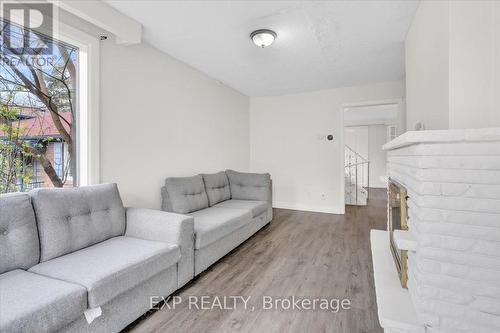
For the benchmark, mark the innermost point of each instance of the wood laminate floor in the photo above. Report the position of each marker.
(301, 254)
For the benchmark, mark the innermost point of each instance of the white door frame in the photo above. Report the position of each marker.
(398, 101)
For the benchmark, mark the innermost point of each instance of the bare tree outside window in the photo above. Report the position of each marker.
(37, 111)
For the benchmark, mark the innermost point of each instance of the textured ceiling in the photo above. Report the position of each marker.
(320, 44)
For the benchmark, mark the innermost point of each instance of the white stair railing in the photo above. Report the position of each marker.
(357, 176)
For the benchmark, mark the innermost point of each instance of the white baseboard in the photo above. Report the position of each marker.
(308, 208)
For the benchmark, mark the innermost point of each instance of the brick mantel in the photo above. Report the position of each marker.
(453, 183)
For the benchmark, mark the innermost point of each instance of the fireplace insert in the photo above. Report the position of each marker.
(397, 220)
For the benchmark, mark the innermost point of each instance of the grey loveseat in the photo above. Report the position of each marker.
(228, 207)
(69, 254)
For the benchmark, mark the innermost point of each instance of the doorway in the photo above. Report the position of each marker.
(367, 127)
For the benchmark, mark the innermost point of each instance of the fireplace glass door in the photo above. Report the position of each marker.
(397, 220)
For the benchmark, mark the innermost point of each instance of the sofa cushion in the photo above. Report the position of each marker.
(185, 194)
(34, 303)
(212, 224)
(256, 207)
(19, 246)
(249, 186)
(112, 267)
(70, 219)
(217, 187)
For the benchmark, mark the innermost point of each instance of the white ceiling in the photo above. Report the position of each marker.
(320, 44)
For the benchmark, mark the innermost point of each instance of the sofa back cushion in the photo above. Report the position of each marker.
(184, 195)
(217, 187)
(71, 219)
(249, 186)
(19, 246)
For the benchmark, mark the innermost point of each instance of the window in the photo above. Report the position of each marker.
(39, 112)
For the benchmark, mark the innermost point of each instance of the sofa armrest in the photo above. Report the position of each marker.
(165, 227)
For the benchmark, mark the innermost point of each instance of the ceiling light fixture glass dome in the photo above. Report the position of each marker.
(263, 37)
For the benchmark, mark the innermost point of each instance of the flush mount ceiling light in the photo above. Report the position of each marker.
(263, 37)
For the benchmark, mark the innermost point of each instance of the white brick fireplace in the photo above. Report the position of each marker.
(453, 240)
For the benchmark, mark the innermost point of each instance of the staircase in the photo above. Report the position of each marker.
(357, 178)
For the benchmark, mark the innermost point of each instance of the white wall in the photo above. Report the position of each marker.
(474, 64)
(377, 137)
(356, 137)
(453, 66)
(287, 139)
(427, 62)
(161, 118)
(368, 141)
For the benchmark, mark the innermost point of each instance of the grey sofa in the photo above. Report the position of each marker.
(227, 207)
(66, 254)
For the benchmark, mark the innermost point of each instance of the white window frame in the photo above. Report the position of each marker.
(87, 120)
